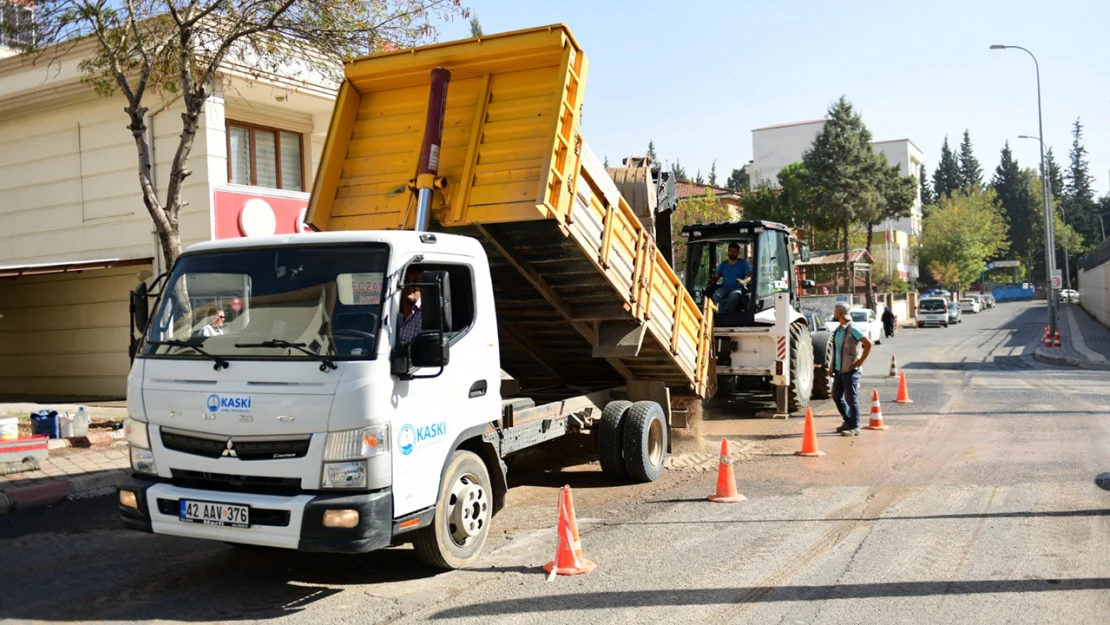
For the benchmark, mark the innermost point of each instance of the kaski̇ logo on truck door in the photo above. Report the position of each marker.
(410, 438)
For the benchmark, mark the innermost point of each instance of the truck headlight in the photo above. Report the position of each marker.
(344, 475)
(360, 443)
(137, 435)
(142, 461)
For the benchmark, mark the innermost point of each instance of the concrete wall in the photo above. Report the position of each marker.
(1094, 292)
(776, 147)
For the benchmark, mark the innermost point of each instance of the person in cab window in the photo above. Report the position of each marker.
(216, 326)
(736, 273)
(411, 319)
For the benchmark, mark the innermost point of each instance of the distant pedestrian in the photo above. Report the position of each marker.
(888, 322)
(850, 349)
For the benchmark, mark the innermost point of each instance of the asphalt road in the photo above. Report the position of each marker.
(977, 506)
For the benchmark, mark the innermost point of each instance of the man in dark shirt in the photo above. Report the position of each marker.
(411, 318)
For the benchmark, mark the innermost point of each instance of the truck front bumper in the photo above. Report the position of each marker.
(290, 522)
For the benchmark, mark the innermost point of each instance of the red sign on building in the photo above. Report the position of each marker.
(245, 214)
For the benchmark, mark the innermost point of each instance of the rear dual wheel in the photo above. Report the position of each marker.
(632, 440)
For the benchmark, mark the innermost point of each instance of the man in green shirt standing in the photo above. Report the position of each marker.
(850, 349)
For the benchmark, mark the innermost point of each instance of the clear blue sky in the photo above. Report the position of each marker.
(696, 77)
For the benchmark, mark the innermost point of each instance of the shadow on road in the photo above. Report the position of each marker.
(755, 594)
(1023, 514)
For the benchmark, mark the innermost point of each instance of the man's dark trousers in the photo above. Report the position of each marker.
(846, 396)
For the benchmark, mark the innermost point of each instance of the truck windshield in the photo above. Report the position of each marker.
(296, 303)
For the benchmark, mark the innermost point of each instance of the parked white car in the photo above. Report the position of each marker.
(968, 304)
(869, 322)
(1069, 295)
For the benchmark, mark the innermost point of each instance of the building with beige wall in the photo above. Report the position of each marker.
(775, 147)
(75, 236)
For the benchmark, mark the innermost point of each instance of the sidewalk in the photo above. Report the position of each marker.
(71, 471)
(1084, 341)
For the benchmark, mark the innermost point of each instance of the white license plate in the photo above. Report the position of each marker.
(212, 513)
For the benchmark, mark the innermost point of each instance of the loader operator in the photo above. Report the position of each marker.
(737, 273)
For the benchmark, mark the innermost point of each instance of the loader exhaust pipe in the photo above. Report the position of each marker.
(428, 172)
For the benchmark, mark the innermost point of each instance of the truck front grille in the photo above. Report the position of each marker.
(243, 448)
(258, 485)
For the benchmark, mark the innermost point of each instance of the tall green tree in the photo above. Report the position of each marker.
(1011, 185)
(971, 174)
(1065, 236)
(698, 178)
(961, 233)
(739, 180)
(840, 170)
(713, 174)
(1055, 174)
(1079, 203)
(475, 27)
(894, 200)
(946, 178)
(150, 51)
(926, 190)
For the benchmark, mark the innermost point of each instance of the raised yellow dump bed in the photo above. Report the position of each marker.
(584, 300)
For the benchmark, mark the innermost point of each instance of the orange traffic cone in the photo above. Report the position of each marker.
(568, 557)
(903, 391)
(876, 413)
(726, 479)
(1056, 343)
(809, 438)
(893, 367)
(1047, 336)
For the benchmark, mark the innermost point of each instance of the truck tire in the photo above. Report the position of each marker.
(822, 383)
(645, 441)
(463, 512)
(610, 439)
(801, 368)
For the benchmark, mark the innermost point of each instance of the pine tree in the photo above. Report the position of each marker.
(475, 27)
(946, 178)
(655, 164)
(843, 170)
(606, 163)
(699, 179)
(971, 174)
(679, 171)
(1055, 174)
(926, 190)
(739, 180)
(1079, 196)
(1011, 185)
(713, 174)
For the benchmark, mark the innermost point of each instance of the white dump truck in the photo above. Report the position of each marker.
(317, 411)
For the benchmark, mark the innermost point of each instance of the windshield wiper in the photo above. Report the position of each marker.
(325, 362)
(220, 362)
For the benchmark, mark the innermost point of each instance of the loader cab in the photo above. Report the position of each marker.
(766, 246)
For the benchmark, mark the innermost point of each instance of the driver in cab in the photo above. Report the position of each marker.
(737, 274)
(411, 317)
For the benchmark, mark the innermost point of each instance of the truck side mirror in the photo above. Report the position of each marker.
(430, 349)
(140, 307)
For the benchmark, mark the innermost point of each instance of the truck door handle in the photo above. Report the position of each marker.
(478, 389)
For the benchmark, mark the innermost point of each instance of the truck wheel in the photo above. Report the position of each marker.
(801, 368)
(610, 439)
(645, 441)
(463, 511)
(822, 384)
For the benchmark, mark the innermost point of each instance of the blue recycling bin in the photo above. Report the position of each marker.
(45, 422)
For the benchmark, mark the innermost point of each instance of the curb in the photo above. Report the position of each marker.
(1052, 359)
(94, 440)
(72, 488)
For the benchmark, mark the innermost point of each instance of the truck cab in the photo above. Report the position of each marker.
(309, 419)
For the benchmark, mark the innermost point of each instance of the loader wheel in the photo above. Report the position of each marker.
(801, 368)
(645, 441)
(463, 512)
(822, 383)
(610, 439)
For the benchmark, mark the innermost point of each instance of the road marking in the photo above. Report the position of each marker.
(1077, 339)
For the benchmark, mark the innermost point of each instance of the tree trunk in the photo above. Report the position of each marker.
(871, 271)
(849, 279)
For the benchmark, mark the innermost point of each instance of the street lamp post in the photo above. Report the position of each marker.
(1049, 222)
(1102, 226)
(1063, 214)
